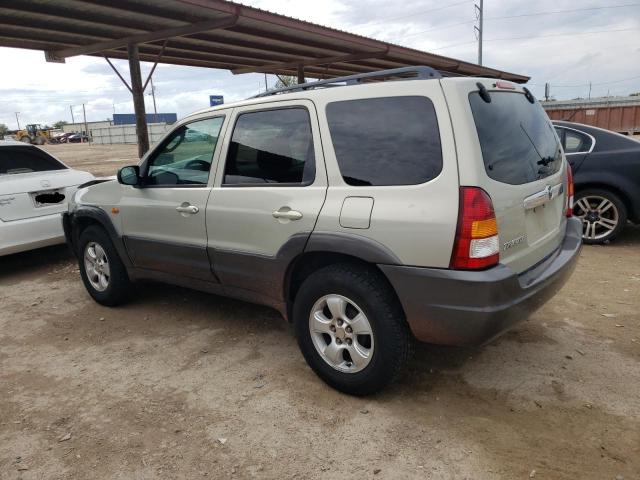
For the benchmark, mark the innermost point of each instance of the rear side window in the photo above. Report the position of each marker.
(576, 142)
(386, 141)
(517, 140)
(19, 159)
(271, 147)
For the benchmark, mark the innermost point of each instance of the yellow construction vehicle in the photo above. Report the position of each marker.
(34, 134)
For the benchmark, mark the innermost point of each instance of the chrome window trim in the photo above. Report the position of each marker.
(593, 140)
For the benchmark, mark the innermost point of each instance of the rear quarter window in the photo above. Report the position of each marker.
(18, 159)
(386, 141)
(516, 137)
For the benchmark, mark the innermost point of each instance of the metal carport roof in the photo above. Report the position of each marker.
(207, 33)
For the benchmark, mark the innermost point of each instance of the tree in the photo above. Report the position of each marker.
(3, 130)
(59, 124)
(285, 81)
(635, 94)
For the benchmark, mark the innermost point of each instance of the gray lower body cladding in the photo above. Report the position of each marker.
(464, 308)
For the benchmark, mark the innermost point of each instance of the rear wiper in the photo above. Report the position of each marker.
(545, 161)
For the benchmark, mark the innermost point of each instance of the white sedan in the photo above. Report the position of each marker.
(34, 190)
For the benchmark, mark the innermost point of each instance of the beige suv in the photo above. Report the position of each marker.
(368, 210)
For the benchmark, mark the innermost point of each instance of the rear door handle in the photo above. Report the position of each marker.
(286, 213)
(192, 209)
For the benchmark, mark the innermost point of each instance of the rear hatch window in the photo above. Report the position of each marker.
(523, 159)
(19, 159)
(517, 141)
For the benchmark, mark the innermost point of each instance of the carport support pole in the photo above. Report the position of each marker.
(300, 74)
(138, 99)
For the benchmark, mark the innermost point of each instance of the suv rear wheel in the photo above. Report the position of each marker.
(103, 273)
(603, 215)
(351, 329)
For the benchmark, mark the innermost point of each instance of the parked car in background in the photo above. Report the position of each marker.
(63, 137)
(77, 138)
(606, 175)
(366, 214)
(34, 190)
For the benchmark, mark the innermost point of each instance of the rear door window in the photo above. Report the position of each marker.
(576, 142)
(386, 141)
(271, 147)
(517, 140)
(26, 159)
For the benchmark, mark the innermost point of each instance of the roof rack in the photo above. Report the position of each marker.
(404, 73)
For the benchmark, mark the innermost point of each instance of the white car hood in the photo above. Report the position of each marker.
(36, 181)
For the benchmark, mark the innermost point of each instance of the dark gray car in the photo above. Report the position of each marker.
(606, 175)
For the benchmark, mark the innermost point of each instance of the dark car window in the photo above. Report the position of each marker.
(185, 156)
(386, 141)
(576, 142)
(271, 147)
(26, 159)
(517, 140)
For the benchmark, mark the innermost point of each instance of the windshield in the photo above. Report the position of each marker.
(516, 137)
(19, 159)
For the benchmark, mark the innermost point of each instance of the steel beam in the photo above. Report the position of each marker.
(164, 34)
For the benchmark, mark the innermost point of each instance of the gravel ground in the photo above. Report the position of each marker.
(180, 384)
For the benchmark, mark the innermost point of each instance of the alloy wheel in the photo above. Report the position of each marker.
(96, 265)
(599, 216)
(341, 333)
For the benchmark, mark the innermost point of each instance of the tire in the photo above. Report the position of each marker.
(110, 286)
(26, 139)
(353, 290)
(603, 215)
(40, 140)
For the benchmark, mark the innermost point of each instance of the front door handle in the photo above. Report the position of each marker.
(187, 208)
(285, 213)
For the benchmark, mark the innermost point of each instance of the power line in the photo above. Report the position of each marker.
(563, 11)
(528, 37)
(592, 84)
(533, 14)
(385, 20)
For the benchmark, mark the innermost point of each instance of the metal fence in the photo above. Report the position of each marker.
(126, 134)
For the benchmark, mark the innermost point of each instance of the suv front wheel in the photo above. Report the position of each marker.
(351, 329)
(103, 273)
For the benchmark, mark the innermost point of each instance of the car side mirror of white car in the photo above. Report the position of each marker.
(129, 175)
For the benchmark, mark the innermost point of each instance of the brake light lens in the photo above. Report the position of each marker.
(476, 246)
(570, 191)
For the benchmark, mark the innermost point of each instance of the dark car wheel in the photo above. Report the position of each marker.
(351, 329)
(103, 273)
(603, 215)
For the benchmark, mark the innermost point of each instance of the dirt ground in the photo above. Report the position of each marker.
(180, 384)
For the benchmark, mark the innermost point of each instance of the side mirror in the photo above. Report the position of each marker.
(129, 175)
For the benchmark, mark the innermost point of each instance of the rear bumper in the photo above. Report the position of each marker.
(452, 307)
(29, 233)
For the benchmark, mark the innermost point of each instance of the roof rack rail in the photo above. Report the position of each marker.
(404, 73)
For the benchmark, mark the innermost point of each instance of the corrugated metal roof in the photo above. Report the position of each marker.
(248, 39)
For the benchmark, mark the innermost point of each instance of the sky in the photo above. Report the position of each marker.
(567, 43)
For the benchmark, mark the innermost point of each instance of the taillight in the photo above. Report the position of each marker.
(570, 190)
(476, 245)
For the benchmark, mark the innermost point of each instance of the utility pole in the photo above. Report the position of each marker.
(86, 127)
(17, 120)
(547, 91)
(266, 87)
(153, 95)
(479, 29)
(71, 110)
(589, 89)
